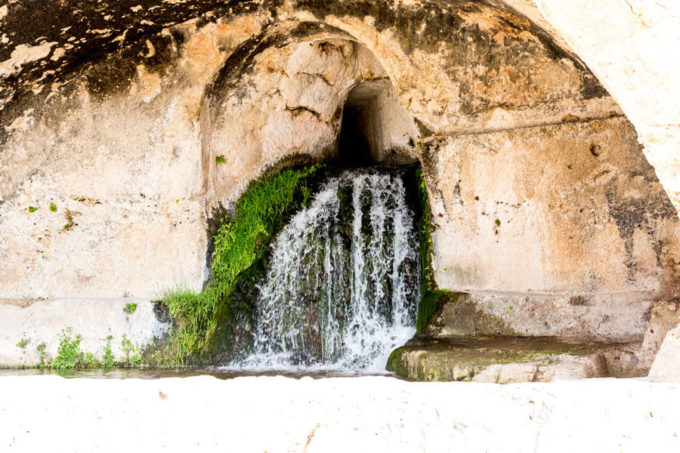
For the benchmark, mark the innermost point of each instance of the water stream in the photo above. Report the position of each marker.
(342, 285)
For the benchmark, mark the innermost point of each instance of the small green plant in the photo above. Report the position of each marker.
(53, 207)
(132, 353)
(135, 360)
(221, 159)
(69, 221)
(69, 354)
(41, 349)
(32, 209)
(511, 308)
(498, 222)
(22, 343)
(90, 361)
(130, 308)
(107, 358)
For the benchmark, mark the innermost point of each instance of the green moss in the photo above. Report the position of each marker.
(396, 362)
(130, 308)
(498, 222)
(430, 300)
(32, 209)
(240, 243)
(22, 343)
(221, 159)
(425, 228)
(53, 207)
(429, 305)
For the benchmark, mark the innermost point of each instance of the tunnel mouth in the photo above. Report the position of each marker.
(374, 130)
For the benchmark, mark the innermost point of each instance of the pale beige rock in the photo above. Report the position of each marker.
(535, 211)
(666, 365)
(629, 46)
(665, 315)
(127, 148)
(619, 317)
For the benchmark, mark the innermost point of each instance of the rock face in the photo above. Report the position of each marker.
(666, 364)
(30, 332)
(126, 127)
(504, 360)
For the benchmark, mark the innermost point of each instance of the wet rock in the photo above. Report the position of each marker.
(503, 360)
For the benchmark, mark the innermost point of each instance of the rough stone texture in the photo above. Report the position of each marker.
(665, 315)
(43, 321)
(504, 360)
(608, 317)
(126, 145)
(666, 365)
(629, 45)
(117, 112)
(377, 414)
(535, 210)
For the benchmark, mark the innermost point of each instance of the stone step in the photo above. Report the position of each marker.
(511, 359)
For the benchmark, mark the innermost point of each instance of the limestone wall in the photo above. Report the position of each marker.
(136, 131)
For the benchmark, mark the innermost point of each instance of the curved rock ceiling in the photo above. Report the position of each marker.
(47, 43)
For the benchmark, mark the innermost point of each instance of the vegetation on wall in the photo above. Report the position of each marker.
(240, 243)
(431, 297)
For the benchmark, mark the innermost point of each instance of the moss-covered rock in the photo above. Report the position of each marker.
(504, 360)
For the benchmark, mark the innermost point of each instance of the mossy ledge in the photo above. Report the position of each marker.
(431, 297)
(203, 318)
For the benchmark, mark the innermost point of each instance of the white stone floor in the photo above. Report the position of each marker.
(366, 414)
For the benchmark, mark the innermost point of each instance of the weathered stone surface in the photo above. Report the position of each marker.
(629, 46)
(117, 114)
(666, 365)
(664, 316)
(607, 318)
(503, 360)
(26, 325)
(534, 210)
(376, 414)
(127, 147)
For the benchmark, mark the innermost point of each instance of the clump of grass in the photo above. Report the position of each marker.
(240, 242)
(22, 343)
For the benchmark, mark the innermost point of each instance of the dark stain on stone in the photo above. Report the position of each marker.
(424, 26)
(631, 214)
(162, 313)
(579, 301)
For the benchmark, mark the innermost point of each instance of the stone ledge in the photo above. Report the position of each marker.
(505, 360)
(94, 320)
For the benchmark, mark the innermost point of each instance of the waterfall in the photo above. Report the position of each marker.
(342, 285)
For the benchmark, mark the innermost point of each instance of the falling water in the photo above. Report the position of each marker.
(342, 286)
